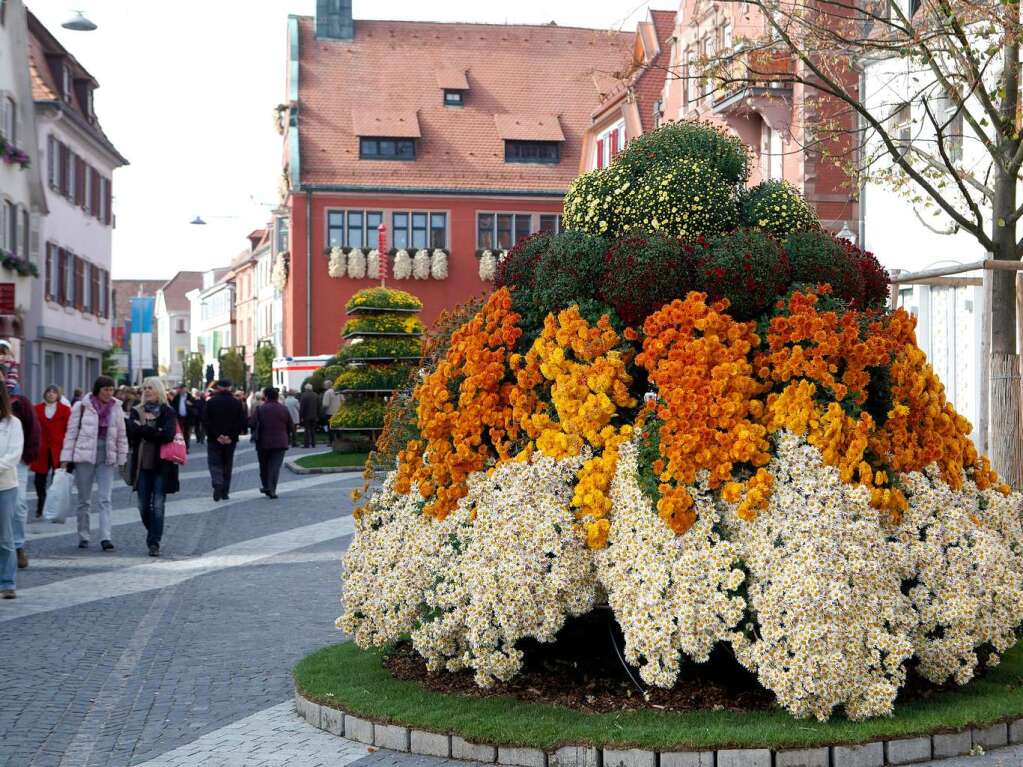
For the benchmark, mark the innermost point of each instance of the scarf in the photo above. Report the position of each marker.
(151, 407)
(103, 409)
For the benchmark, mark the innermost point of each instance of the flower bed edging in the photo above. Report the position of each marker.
(876, 754)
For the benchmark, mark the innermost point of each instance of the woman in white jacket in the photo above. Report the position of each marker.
(11, 443)
(96, 443)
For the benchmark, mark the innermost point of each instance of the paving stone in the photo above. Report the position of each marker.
(471, 752)
(1016, 731)
(995, 736)
(907, 750)
(431, 744)
(803, 757)
(575, 756)
(391, 736)
(948, 744)
(744, 757)
(332, 720)
(629, 757)
(358, 729)
(687, 759)
(867, 755)
(522, 757)
(308, 710)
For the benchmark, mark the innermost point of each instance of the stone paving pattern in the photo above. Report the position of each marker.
(194, 670)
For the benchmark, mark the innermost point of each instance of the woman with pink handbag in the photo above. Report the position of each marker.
(157, 449)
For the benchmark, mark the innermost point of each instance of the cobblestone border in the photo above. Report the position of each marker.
(876, 754)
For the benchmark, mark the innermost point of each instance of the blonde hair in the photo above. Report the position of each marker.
(157, 384)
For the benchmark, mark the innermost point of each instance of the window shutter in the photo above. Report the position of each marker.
(600, 153)
(65, 162)
(51, 144)
(79, 180)
(48, 282)
(95, 207)
(614, 144)
(94, 288)
(79, 282)
(108, 216)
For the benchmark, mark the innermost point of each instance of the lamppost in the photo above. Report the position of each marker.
(78, 23)
(847, 234)
(382, 262)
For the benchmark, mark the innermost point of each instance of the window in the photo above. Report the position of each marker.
(387, 149)
(72, 178)
(53, 162)
(609, 143)
(86, 302)
(501, 231)
(104, 294)
(912, 7)
(454, 98)
(950, 119)
(3, 10)
(545, 152)
(79, 274)
(9, 120)
(902, 120)
(726, 36)
(89, 110)
(23, 232)
(692, 89)
(66, 83)
(65, 282)
(95, 288)
(419, 229)
(353, 228)
(87, 188)
(51, 269)
(772, 154)
(281, 234)
(10, 228)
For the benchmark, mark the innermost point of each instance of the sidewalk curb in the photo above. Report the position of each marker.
(294, 468)
(907, 750)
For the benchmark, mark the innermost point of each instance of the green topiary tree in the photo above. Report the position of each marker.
(263, 365)
(777, 208)
(193, 372)
(232, 366)
(747, 267)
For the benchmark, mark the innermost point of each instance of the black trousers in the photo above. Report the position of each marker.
(310, 433)
(270, 461)
(220, 460)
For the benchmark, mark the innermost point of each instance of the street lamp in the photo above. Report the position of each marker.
(847, 234)
(199, 221)
(78, 23)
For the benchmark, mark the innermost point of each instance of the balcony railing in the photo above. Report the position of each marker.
(754, 68)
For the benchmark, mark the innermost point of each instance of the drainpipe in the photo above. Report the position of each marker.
(308, 272)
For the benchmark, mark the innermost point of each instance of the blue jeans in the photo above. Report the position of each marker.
(8, 555)
(21, 512)
(152, 500)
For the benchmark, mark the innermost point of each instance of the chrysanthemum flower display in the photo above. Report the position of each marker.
(784, 479)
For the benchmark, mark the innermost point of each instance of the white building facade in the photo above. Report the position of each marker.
(69, 323)
(174, 326)
(214, 304)
(22, 200)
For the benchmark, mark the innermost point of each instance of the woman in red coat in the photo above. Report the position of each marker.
(53, 416)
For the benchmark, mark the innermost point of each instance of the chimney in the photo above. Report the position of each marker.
(334, 20)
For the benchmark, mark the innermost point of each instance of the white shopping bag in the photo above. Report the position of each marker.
(59, 505)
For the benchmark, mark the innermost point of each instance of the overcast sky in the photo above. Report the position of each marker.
(187, 91)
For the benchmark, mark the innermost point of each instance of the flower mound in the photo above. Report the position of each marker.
(769, 464)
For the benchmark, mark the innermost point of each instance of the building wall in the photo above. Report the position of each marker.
(330, 295)
(245, 310)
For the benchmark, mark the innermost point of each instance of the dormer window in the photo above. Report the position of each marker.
(371, 148)
(454, 98)
(453, 84)
(67, 83)
(530, 138)
(88, 104)
(543, 152)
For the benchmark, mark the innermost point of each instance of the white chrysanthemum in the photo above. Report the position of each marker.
(488, 266)
(336, 266)
(356, 264)
(402, 265)
(519, 570)
(669, 593)
(279, 273)
(421, 264)
(439, 265)
(502, 256)
(389, 566)
(373, 264)
(966, 553)
(824, 588)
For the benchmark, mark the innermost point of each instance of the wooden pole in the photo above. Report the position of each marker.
(984, 403)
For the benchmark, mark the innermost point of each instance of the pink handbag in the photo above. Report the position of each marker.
(175, 451)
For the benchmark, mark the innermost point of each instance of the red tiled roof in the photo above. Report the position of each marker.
(388, 123)
(452, 79)
(176, 288)
(649, 83)
(524, 127)
(515, 69)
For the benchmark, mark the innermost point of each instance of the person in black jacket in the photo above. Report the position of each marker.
(152, 423)
(184, 408)
(224, 421)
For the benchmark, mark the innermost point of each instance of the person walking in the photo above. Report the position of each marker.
(240, 396)
(272, 429)
(225, 421)
(21, 408)
(152, 424)
(330, 405)
(11, 448)
(309, 412)
(52, 415)
(184, 409)
(97, 444)
(200, 416)
(295, 410)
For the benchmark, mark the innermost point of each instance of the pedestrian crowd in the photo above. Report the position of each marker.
(140, 436)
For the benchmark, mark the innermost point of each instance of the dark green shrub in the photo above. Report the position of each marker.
(690, 139)
(643, 273)
(748, 267)
(777, 208)
(817, 257)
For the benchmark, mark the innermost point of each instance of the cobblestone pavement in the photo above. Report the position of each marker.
(119, 659)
